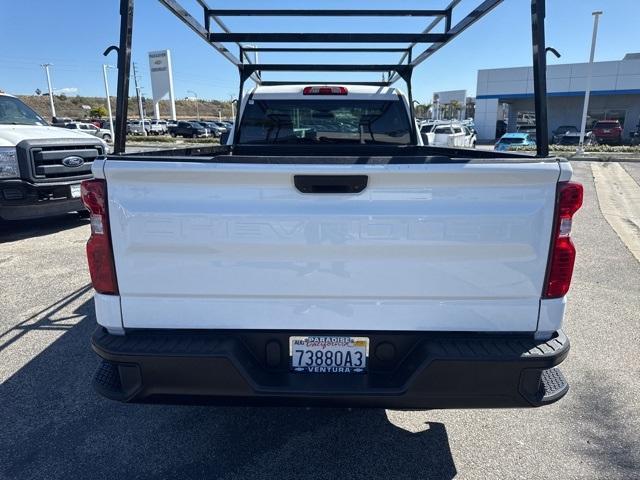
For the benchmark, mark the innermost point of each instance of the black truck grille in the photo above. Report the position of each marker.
(56, 162)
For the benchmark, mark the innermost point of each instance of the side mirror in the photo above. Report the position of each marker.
(224, 136)
(425, 138)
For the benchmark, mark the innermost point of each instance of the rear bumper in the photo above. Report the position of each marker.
(21, 200)
(418, 370)
(604, 138)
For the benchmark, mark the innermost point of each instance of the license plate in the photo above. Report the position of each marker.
(606, 131)
(328, 354)
(75, 191)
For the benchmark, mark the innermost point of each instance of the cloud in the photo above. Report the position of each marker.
(65, 90)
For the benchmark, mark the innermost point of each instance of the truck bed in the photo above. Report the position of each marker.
(332, 154)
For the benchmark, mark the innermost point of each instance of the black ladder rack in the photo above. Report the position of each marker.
(405, 43)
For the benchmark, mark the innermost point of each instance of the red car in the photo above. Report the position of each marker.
(608, 131)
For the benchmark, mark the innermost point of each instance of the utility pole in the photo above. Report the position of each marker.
(135, 80)
(46, 69)
(196, 97)
(587, 93)
(106, 91)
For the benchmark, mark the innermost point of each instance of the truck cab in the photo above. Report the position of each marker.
(325, 115)
(41, 166)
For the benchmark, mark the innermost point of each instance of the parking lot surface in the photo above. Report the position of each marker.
(55, 426)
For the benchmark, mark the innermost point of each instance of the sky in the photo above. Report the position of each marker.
(73, 34)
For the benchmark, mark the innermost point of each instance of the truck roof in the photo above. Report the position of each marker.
(355, 92)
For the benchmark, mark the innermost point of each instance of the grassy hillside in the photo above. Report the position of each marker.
(72, 107)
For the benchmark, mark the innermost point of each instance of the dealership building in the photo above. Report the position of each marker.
(507, 94)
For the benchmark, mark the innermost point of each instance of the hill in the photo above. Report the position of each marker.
(69, 106)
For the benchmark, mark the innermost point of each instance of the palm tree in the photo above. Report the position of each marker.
(455, 108)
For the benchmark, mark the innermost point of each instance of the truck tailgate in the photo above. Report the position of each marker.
(453, 247)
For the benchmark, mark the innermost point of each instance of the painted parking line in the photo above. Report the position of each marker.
(619, 199)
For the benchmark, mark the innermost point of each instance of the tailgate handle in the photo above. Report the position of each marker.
(330, 183)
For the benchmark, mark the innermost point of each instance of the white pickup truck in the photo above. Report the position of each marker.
(324, 256)
(448, 134)
(41, 166)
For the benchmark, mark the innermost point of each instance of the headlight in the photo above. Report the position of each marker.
(8, 163)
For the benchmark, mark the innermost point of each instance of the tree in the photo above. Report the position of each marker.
(98, 112)
(427, 109)
(455, 108)
(421, 109)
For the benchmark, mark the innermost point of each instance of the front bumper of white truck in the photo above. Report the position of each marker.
(407, 370)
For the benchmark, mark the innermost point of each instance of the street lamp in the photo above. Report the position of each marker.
(106, 91)
(416, 104)
(196, 97)
(233, 103)
(53, 108)
(587, 93)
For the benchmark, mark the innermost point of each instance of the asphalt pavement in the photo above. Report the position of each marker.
(55, 427)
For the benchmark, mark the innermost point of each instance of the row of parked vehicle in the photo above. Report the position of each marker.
(187, 129)
(448, 133)
(604, 132)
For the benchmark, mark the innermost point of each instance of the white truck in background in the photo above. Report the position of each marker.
(325, 256)
(442, 133)
(41, 166)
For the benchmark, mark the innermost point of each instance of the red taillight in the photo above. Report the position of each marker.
(99, 252)
(563, 253)
(325, 91)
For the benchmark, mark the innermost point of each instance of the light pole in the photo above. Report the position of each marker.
(139, 95)
(46, 69)
(587, 93)
(106, 91)
(233, 107)
(416, 104)
(196, 97)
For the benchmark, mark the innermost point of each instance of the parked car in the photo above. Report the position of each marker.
(41, 166)
(573, 138)
(447, 134)
(188, 130)
(217, 129)
(530, 129)
(221, 127)
(211, 127)
(138, 127)
(159, 127)
(635, 136)
(608, 132)
(60, 121)
(223, 124)
(511, 141)
(562, 130)
(91, 129)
